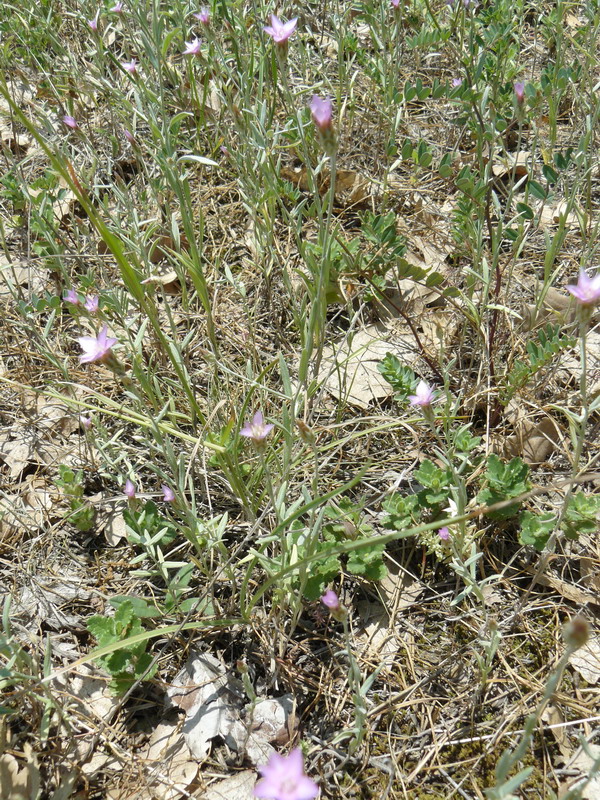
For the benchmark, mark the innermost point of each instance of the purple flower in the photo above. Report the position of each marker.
(520, 91)
(85, 422)
(96, 348)
(91, 303)
(396, 4)
(129, 489)
(93, 23)
(203, 16)
(423, 397)
(130, 66)
(193, 48)
(444, 533)
(587, 290)
(456, 82)
(129, 136)
(117, 8)
(168, 493)
(72, 297)
(321, 110)
(283, 778)
(331, 600)
(257, 430)
(70, 121)
(281, 31)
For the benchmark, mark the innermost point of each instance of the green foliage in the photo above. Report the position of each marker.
(504, 481)
(402, 511)
(581, 515)
(345, 524)
(550, 341)
(130, 663)
(400, 377)
(148, 525)
(81, 514)
(536, 529)
(436, 483)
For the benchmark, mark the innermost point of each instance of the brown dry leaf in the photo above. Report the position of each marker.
(54, 414)
(211, 698)
(582, 764)
(573, 21)
(87, 693)
(171, 767)
(373, 634)
(271, 720)
(568, 590)
(399, 589)
(111, 522)
(17, 143)
(533, 440)
(168, 279)
(351, 188)
(237, 787)
(519, 162)
(16, 279)
(551, 215)
(571, 364)
(557, 307)
(553, 716)
(14, 779)
(349, 371)
(586, 661)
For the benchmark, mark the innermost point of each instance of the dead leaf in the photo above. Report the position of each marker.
(568, 590)
(351, 188)
(268, 721)
(586, 661)
(14, 779)
(171, 767)
(349, 371)
(553, 718)
(374, 636)
(513, 162)
(237, 787)
(533, 440)
(211, 698)
(18, 280)
(582, 764)
(571, 364)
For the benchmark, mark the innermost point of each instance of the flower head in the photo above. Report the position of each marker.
(129, 136)
(70, 121)
(283, 778)
(130, 66)
(203, 16)
(85, 422)
(93, 23)
(168, 493)
(257, 430)
(72, 297)
(520, 92)
(96, 348)
(396, 4)
(321, 110)
(587, 290)
(424, 396)
(193, 48)
(129, 489)
(331, 600)
(117, 8)
(444, 533)
(281, 31)
(456, 82)
(91, 303)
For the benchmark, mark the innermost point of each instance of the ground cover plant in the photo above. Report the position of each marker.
(300, 377)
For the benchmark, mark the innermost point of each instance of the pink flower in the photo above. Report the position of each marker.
(193, 48)
(129, 489)
(321, 110)
(256, 430)
(72, 297)
(331, 600)
(424, 396)
(70, 121)
(91, 303)
(587, 290)
(96, 348)
(93, 23)
(168, 493)
(130, 66)
(129, 136)
(283, 778)
(396, 4)
(203, 16)
(281, 31)
(456, 82)
(117, 8)
(444, 533)
(85, 422)
(520, 92)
